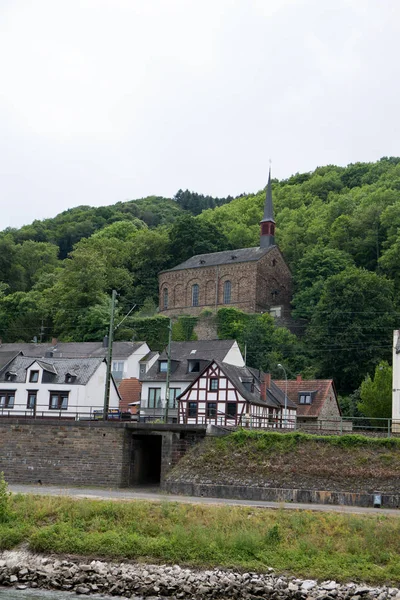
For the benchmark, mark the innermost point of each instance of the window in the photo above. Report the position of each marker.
(305, 397)
(227, 292)
(193, 366)
(10, 376)
(118, 365)
(34, 376)
(173, 393)
(213, 384)
(192, 409)
(31, 400)
(211, 409)
(7, 399)
(163, 366)
(195, 295)
(154, 400)
(58, 400)
(231, 409)
(165, 298)
(70, 377)
(275, 311)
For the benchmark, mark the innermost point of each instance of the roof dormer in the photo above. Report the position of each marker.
(70, 377)
(305, 397)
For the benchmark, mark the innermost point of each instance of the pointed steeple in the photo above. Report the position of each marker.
(267, 234)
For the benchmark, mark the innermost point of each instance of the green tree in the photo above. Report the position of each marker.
(313, 269)
(376, 393)
(189, 236)
(351, 328)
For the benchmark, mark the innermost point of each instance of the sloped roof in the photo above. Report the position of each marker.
(181, 352)
(222, 258)
(321, 388)
(129, 390)
(277, 395)
(148, 357)
(83, 368)
(6, 357)
(121, 350)
(236, 375)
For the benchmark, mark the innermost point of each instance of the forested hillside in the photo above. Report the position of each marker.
(338, 229)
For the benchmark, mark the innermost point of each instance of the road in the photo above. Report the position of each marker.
(155, 495)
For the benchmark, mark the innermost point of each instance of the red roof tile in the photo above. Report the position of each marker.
(129, 390)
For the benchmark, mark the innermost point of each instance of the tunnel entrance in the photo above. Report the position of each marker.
(146, 460)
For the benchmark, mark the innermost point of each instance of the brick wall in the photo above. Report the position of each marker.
(65, 453)
(85, 453)
(252, 286)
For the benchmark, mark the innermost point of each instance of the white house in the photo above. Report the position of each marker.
(62, 387)
(126, 356)
(229, 395)
(396, 382)
(188, 359)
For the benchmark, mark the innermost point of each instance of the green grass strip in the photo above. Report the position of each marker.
(302, 543)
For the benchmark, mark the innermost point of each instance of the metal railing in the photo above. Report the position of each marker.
(73, 412)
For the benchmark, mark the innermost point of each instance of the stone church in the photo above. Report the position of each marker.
(251, 279)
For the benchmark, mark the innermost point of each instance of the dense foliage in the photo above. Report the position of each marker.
(338, 228)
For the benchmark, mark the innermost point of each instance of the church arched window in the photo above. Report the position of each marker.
(227, 292)
(165, 298)
(195, 294)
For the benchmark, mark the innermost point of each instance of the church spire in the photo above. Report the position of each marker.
(267, 234)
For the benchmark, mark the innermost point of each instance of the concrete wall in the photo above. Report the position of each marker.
(280, 495)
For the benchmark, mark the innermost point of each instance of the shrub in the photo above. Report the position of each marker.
(4, 499)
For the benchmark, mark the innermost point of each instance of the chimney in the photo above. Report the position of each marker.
(299, 378)
(1, 341)
(105, 341)
(265, 384)
(54, 341)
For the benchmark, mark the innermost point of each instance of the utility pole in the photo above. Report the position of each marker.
(41, 332)
(168, 371)
(109, 357)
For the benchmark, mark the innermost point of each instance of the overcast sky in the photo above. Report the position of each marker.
(108, 100)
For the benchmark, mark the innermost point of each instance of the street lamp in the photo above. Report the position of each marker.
(285, 413)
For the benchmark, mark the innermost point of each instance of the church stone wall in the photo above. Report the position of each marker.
(243, 278)
(274, 283)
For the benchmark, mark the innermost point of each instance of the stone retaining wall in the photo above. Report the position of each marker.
(65, 453)
(242, 492)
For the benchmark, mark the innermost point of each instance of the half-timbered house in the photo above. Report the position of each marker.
(188, 359)
(229, 395)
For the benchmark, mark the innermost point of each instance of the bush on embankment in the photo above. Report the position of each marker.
(351, 463)
(303, 543)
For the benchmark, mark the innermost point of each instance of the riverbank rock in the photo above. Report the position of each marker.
(130, 580)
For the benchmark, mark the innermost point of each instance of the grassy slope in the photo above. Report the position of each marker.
(343, 547)
(346, 463)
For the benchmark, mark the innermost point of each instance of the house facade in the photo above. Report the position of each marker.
(188, 359)
(231, 396)
(251, 279)
(55, 387)
(126, 356)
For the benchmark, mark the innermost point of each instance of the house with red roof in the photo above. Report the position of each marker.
(129, 390)
(316, 400)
